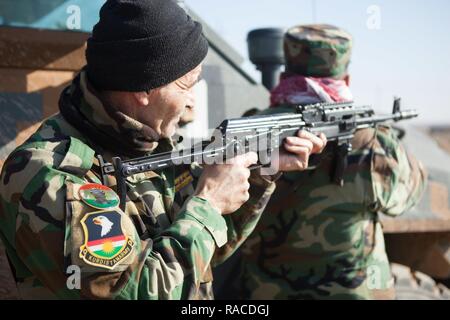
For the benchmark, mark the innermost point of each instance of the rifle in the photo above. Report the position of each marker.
(338, 121)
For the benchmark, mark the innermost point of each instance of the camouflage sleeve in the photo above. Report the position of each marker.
(242, 222)
(48, 238)
(32, 223)
(172, 265)
(398, 179)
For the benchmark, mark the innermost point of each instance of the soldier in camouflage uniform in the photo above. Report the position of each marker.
(319, 240)
(59, 220)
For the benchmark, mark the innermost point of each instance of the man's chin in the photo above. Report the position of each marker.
(169, 133)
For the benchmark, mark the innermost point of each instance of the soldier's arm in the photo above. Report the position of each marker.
(398, 179)
(32, 222)
(170, 266)
(241, 223)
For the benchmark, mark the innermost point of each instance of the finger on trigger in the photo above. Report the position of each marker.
(305, 134)
(298, 150)
(296, 141)
(245, 160)
(246, 173)
(318, 142)
(324, 139)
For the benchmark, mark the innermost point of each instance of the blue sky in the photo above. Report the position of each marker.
(408, 56)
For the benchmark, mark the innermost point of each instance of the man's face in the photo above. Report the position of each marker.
(187, 117)
(166, 105)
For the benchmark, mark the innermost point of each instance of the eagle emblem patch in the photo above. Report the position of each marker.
(105, 243)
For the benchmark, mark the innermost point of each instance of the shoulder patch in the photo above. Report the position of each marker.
(183, 180)
(97, 239)
(105, 242)
(98, 196)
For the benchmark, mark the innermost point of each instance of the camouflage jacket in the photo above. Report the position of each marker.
(162, 246)
(318, 240)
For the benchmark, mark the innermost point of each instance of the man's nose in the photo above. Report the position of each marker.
(191, 101)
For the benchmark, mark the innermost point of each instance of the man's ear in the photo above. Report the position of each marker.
(141, 98)
(347, 80)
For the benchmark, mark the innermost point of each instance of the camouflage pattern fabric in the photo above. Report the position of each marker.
(317, 50)
(317, 240)
(175, 238)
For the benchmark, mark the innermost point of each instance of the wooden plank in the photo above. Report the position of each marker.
(48, 82)
(42, 49)
(427, 252)
(392, 225)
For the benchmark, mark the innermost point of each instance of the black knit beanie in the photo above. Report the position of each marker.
(139, 45)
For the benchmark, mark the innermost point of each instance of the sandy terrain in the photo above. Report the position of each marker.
(442, 136)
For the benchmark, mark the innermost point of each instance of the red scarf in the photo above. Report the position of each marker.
(296, 89)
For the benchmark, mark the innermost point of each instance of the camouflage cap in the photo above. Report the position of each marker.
(317, 50)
